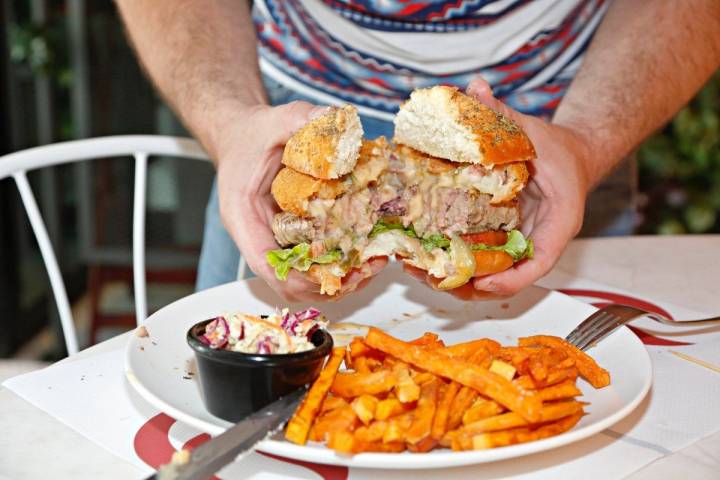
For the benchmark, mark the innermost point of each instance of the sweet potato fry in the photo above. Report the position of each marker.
(597, 376)
(466, 373)
(373, 363)
(427, 338)
(556, 376)
(482, 408)
(341, 441)
(567, 363)
(424, 445)
(550, 412)
(422, 377)
(503, 369)
(343, 418)
(406, 390)
(391, 447)
(299, 425)
(525, 382)
(390, 407)
(361, 364)
(464, 398)
(396, 428)
(315, 435)
(424, 413)
(555, 356)
(364, 407)
(464, 350)
(350, 385)
(543, 359)
(466, 395)
(538, 368)
(348, 360)
(522, 435)
(419, 395)
(566, 389)
(331, 403)
(514, 355)
(440, 422)
(482, 356)
(372, 433)
(358, 348)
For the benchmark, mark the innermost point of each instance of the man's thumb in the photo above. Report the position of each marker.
(481, 90)
(292, 116)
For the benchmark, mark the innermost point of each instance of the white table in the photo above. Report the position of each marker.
(678, 269)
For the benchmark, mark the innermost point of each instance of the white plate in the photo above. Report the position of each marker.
(157, 366)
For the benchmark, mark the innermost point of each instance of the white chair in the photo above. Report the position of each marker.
(140, 147)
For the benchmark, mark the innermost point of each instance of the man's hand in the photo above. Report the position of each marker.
(248, 158)
(552, 203)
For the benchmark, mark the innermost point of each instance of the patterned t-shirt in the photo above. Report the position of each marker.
(373, 53)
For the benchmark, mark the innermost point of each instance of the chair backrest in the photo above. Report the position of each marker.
(140, 147)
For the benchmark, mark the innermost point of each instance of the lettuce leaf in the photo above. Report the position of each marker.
(435, 241)
(517, 246)
(297, 257)
(383, 226)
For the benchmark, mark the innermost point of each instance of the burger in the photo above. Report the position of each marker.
(443, 196)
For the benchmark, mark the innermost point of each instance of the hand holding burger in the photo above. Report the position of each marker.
(443, 197)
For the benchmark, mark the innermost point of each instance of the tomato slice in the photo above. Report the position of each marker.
(492, 238)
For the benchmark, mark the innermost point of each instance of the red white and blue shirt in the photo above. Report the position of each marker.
(373, 53)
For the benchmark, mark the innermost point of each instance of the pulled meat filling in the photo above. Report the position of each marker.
(430, 195)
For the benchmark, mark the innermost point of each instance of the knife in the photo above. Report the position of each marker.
(202, 462)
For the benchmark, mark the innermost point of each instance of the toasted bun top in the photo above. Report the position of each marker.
(294, 190)
(443, 122)
(327, 147)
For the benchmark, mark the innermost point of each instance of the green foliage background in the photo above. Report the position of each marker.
(680, 169)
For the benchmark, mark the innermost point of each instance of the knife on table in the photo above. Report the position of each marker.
(203, 461)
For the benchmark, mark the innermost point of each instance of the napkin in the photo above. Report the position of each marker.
(92, 396)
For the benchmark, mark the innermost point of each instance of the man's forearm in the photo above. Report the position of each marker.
(646, 61)
(202, 57)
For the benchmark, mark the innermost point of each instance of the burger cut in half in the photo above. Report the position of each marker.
(443, 197)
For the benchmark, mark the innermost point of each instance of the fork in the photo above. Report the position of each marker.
(603, 322)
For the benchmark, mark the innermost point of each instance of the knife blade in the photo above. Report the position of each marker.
(203, 461)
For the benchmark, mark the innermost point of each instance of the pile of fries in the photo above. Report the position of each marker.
(419, 395)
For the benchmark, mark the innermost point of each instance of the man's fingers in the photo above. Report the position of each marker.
(465, 292)
(550, 239)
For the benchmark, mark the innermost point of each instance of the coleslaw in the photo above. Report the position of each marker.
(279, 333)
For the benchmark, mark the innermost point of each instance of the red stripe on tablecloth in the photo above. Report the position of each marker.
(152, 443)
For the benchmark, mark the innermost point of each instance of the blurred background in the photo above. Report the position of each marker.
(67, 72)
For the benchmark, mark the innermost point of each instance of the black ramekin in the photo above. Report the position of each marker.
(236, 384)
